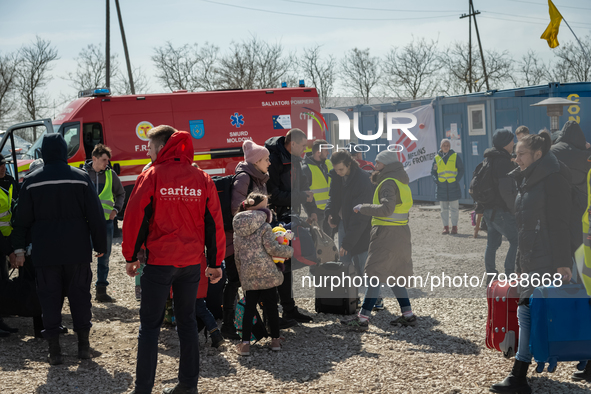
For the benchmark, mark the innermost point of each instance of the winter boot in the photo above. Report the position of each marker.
(216, 338)
(83, 344)
(5, 327)
(454, 229)
(516, 382)
(180, 389)
(55, 352)
(228, 329)
(445, 230)
(583, 375)
(101, 294)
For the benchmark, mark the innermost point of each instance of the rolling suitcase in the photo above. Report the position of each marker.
(502, 330)
(560, 326)
(340, 300)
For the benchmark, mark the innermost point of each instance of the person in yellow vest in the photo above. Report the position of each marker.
(390, 253)
(316, 167)
(447, 172)
(112, 195)
(8, 194)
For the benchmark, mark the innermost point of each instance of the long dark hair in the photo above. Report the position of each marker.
(538, 142)
(252, 200)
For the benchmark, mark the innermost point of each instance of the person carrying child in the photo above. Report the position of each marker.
(254, 246)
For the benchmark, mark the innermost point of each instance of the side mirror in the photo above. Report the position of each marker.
(117, 168)
(38, 154)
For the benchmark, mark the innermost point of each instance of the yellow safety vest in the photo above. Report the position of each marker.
(6, 212)
(400, 215)
(106, 196)
(320, 186)
(447, 171)
(586, 274)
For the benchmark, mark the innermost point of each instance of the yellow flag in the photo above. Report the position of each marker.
(551, 32)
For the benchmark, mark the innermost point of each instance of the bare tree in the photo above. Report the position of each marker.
(91, 69)
(33, 77)
(9, 64)
(321, 72)
(456, 71)
(532, 70)
(411, 72)
(121, 82)
(571, 58)
(187, 67)
(254, 64)
(361, 71)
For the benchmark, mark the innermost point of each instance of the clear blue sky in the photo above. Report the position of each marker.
(512, 25)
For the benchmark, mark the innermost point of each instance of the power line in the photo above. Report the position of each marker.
(530, 17)
(514, 20)
(325, 17)
(546, 4)
(366, 8)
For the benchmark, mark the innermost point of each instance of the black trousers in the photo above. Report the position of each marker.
(285, 289)
(230, 290)
(73, 281)
(268, 297)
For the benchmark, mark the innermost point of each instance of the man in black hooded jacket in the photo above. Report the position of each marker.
(572, 149)
(58, 205)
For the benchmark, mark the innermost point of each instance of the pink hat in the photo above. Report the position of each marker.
(254, 152)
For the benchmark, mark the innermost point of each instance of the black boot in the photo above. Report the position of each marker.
(583, 375)
(83, 344)
(228, 329)
(38, 326)
(101, 294)
(216, 338)
(516, 382)
(5, 327)
(55, 352)
(180, 389)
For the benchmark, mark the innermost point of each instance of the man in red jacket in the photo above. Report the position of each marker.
(175, 211)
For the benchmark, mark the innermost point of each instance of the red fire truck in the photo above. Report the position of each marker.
(219, 122)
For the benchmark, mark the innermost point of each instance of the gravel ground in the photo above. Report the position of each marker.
(445, 353)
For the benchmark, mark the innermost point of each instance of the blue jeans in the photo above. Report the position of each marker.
(102, 269)
(156, 281)
(524, 319)
(503, 224)
(372, 293)
(448, 207)
(205, 315)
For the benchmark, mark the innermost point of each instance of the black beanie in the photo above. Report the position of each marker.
(502, 138)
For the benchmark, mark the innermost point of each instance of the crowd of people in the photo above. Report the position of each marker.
(175, 243)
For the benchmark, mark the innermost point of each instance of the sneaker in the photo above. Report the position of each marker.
(405, 321)
(379, 304)
(275, 344)
(243, 349)
(297, 316)
(138, 293)
(356, 324)
(286, 323)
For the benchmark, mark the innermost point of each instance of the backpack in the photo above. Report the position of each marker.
(326, 250)
(258, 328)
(224, 185)
(483, 186)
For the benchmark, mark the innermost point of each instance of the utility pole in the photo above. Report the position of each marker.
(132, 88)
(472, 14)
(108, 49)
(479, 44)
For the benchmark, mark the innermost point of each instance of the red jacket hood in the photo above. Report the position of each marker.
(178, 146)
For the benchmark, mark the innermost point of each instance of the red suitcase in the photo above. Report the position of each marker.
(502, 330)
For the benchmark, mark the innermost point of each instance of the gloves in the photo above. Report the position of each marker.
(357, 207)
